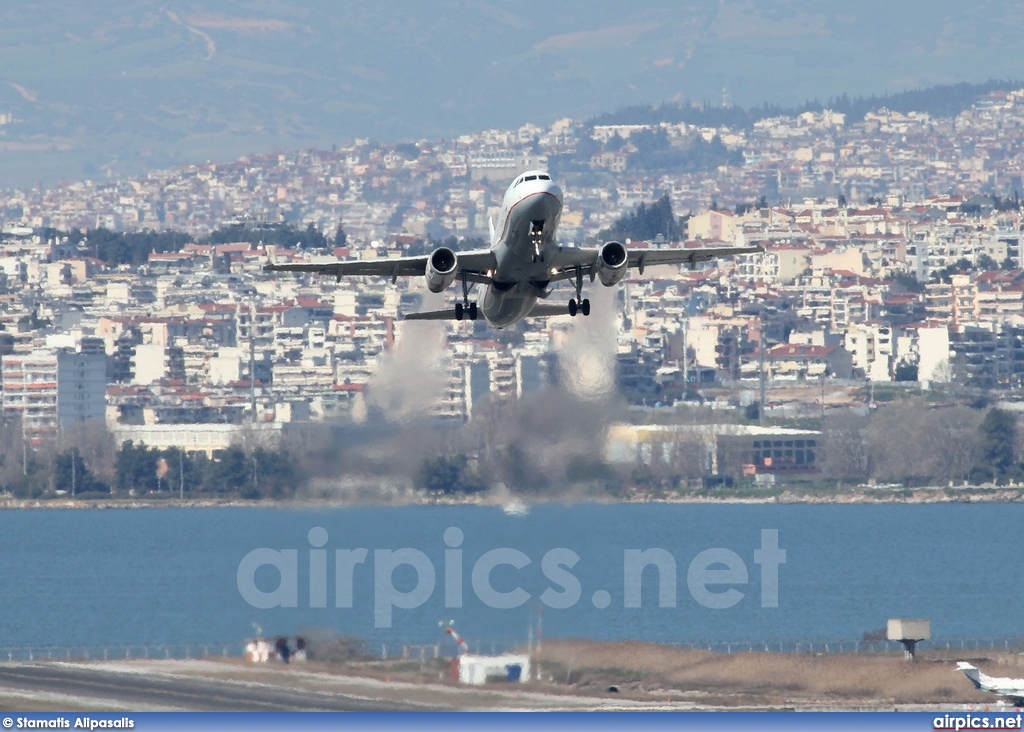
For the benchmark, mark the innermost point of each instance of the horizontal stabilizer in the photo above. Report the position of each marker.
(448, 314)
(549, 310)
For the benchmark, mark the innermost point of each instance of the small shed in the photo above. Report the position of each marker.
(477, 670)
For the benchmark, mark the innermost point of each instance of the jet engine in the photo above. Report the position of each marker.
(442, 266)
(612, 263)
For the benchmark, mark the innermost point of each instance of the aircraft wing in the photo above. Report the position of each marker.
(540, 310)
(648, 258)
(569, 258)
(475, 265)
(549, 310)
(446, 314)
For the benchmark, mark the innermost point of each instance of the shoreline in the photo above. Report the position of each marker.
(516, 505)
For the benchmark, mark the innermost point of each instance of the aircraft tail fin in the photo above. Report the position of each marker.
(490, 224)
(971, 673)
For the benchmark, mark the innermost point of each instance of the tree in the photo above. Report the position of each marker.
(907, 282)
(95, 444)
(955, 445)
(986, 263)
(846, 447)
(614, 143)
(912, 443)
(340, 237)
(184, 471)
(998, 433)
(230, 473)
(135, 468)
(312, 238)
(72, 475)
(946, 273)
(408, 150)
(448, 475)
(646, 222)
(275, 473)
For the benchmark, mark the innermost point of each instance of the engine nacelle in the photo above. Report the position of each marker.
(442, 265)
(612, 263)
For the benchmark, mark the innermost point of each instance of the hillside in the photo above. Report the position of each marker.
(120, 86)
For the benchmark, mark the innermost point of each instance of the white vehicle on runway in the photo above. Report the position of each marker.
(523, 261)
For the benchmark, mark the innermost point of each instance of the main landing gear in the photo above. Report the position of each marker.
(465, 309)
(576, 305)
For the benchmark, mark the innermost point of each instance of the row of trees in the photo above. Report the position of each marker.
(133, 248)
(89, 469)
(543, 443)
(909, 442)
(117, 247)
(913, 443)
(547, 443)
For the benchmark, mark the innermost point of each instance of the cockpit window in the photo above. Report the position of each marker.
(530, 177)
(544, 177)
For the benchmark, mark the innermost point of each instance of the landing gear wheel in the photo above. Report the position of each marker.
(578, 303)
(472, 311)
(458, 311)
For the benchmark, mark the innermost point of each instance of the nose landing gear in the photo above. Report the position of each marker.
(537, 239)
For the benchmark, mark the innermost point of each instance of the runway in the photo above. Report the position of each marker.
(232, 685)
(29, 686)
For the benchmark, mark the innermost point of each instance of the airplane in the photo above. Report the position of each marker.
(1012, 689)
(522, 263)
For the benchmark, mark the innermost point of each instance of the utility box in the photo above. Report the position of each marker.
(901, 629)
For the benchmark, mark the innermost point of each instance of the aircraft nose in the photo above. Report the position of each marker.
(552, 188)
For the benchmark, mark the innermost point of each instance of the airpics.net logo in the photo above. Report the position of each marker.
(715, 578)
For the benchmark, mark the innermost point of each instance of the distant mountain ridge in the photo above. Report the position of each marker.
(116, 87)
(942, 100)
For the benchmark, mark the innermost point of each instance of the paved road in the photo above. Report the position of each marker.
(136, 690)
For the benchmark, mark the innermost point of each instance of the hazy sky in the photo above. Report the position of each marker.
(125, 85)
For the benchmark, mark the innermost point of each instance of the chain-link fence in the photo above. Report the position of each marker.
(120, 651)
(424, 651)
(1014, 643)
(400, 650)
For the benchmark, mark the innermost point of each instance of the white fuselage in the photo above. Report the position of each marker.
(523, 246)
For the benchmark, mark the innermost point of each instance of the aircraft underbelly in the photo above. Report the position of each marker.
(504, 307)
